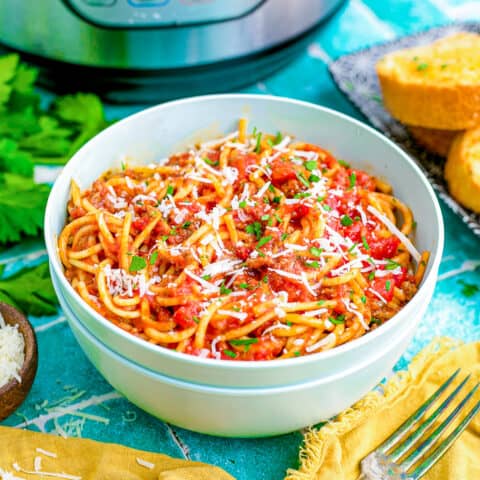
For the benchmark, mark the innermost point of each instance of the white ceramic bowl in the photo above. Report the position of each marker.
(238, 412)
(162, 130)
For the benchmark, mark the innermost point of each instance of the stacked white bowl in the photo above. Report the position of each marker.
(238, 398)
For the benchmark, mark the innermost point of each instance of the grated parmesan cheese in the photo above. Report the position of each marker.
(145, 464)
(12, 356)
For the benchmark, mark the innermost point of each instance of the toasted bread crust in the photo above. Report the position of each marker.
(435, 86)
(462, 169)
(435, 141)
(441, 107)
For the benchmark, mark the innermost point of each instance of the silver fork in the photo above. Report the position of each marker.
(383, 463)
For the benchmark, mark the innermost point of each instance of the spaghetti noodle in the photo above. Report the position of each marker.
(249, 247)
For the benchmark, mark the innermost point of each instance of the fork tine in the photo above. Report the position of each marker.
(424, 446)
(409, 441)
(444, 446)
(413, 420)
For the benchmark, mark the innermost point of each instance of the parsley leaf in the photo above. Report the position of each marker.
(263, 241)
(136, 264)
(468, 289)
(153, 257)
(310, 165)
(30, 290)
(346, 221)
(243, 341)
(22, 206)
(254, 228)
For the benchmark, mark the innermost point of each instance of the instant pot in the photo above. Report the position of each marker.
(151, 50)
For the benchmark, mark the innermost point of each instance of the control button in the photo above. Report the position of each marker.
(100, 3)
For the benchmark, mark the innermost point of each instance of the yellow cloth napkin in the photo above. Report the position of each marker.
(334, 451)
(77, 458)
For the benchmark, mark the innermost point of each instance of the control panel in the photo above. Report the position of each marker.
(158, 13)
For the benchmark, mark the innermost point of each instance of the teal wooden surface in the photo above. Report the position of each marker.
(65, 377)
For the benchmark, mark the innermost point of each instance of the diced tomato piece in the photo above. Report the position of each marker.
(382, 248)
(184, 314)
(282, 172)
(241, 162)
(384, 286)
(298, 210)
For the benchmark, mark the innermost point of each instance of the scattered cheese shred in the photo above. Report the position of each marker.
(67, 476)
(46, 453)
(145, 464)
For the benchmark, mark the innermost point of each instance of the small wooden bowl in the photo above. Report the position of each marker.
(13, 393)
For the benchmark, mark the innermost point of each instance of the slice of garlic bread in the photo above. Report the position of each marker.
(462, 169)
(433, 140)
(434, 86)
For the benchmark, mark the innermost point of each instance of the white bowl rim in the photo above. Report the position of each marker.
(56, 268)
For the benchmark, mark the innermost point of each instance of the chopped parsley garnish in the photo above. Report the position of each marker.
(213, 163)
(422, 66)
(164, 237)
(243, 341)
(276, 199)
(313, 178)
(289, 324)
(153, 257)
(302, 179)
(230, 353)
(371, 275)
(242, 204)
(302, 195)
(195, 319)
(186, 224)
(263, 241)
(136, 264)
(364, 242)
(346, 221)
(326, 207)
(363, 299)
(277, 218)
(258, 145)
(224, 290)
(278, 138)
(388, 285)
(320, 302)
(468, 289)
(352, 248)
(207, 277)
(244, 285)
(353, 179)
(284, 236)
(343, 163)
(391, 265)
(271, 188)
(313, 264)
(170, 190)
(265, 279)
(321, 199)
(124, 167)
(376, 320)
(254, 228)
(337, 320)
(297, 353)
(265, 218)
(310, 165)
(315, 251)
